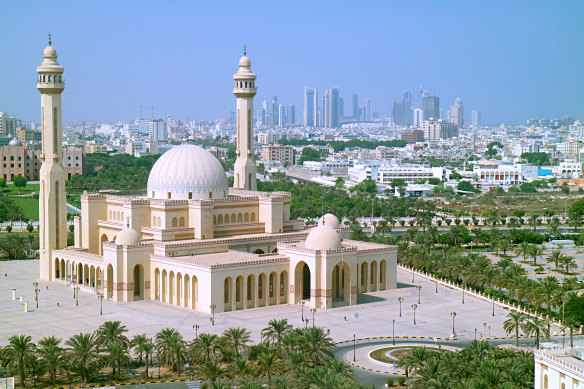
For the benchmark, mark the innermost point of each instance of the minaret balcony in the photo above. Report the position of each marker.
(50, 86)
(245, 91)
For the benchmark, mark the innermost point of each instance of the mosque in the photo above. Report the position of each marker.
(192, 241)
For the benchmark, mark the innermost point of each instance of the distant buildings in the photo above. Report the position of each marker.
(413, 136)
(356, 111)
(402, 110)
(368, 110)
(438, 129)
(457, 113)
(330, 108)
(418, 117)
(157, 130)
(431, 107)
(475, 119)
(8, 124)
(284, 154)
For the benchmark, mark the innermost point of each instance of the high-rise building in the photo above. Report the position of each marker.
(291, 114)
(341, 108)
(438, 129)
(356, 112)
(264, 117)
(476, 118)
(244, 170)
(282, 115)
(431, 107)
(330, 105)
(413, 136)
(402, 110)
(52, 204)
(456, 113)
(418, 117)
(8, 124)
(368, 110)
(274, 107)
(157, 130)
(310, 107)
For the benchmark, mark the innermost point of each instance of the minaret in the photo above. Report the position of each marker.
(245, 168)
(52, 204)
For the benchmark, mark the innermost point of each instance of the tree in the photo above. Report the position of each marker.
(204, 345)
(534, 252)
(209, 371)
(83, 354)
(276, 330)
(20, 354)
(536, 327)
(565, 188)
(316, 344)
(533, 220)
(171, 347)
(2, 183)
(466, 186)
(52, 356)
(538, 159)
(236, 338)
(515, 320)
(556, 257)
(138, 342)
(309, 154)
(19, 182)
(569, 264)
(110, 336)
(268, 364)
(14, 246)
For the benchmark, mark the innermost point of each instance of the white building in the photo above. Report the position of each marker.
(418, 117)
(493, 175)
(559, 369)
(384, 173)
(157, 130)
(438, 129)
(8, 124)
(568, 169)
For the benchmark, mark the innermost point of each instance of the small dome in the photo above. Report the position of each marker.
(50, 52)
(15, 142)
(329, 220)
(128, 236)
(187, 172)
(244, 62)
(323, 238)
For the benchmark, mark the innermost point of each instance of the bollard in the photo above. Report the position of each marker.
(26, 306)
(20, 298)
(13, 294)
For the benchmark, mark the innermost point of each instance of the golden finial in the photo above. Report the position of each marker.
(244, 51)
(50, 39)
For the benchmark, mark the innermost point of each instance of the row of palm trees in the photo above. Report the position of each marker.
(505, 276)
(298, 357)
(481, 365)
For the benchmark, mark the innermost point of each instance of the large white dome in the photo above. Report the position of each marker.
(127, 236)
(323, 238)
(329, 220)
(187, 172)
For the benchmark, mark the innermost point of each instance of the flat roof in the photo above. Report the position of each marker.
(227, 258)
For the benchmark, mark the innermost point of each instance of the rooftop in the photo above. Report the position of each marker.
(227, 258)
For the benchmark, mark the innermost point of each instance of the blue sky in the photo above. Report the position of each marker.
(512, 60)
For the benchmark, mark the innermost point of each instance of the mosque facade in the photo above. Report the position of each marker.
(192, 241)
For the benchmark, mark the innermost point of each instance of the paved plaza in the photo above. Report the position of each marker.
(58, 315)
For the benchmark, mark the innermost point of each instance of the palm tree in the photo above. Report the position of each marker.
(240, 367)
(554, 227)
(138, 342)
(171, 347)
(275, 330)
(117, 353)
(535, 326)
(534, 252)
(148, 349)
(514, 321)
(20, 353)
(51, 356)
(209, 371)
(555, 258)
(533, 220)
(268, 364)
(522, 250)
(571, 324)
(295, 359)
(316, 344)
(340, 368)
(204, 345)
(569, 264)
(236, 338)
(83, 354)
(547, 289)
(110, 336)
(15, 246)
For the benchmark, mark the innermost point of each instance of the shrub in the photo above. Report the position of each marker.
(9, 229)
(401, 381)
(390, 381)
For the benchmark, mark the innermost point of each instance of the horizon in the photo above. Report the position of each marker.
(511, 66)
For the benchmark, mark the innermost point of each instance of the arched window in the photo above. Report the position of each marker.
(174, 222)
(210, 195)
(181, 222)
(220, 219)
(159, 222)
(190, 195)
(239, 218)
(227, 219)
(214, 219)
(253, 216)
(246, 217)
(153, 221)
(110, 215)
(168, 195)
(233, 218)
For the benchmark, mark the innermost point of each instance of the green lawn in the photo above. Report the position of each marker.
(10, 188)
(29, 205)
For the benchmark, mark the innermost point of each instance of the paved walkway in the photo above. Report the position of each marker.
(372, 317)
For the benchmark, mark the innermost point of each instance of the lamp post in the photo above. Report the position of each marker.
(302, 302)
(313, 311)
(353, 347)
(306, 322)
(36, 293)
(462, 293)
(213, 306)
(400, 299)
(100, 297)
(563, 339)
(436, 281)
(414, 306)
(76, 288)
(493, 306)
(393, 332)
(419, 288)
(475, 334)
(413, 274)
(196, 328)
(453, 315)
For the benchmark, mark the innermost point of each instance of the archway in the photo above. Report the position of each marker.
(187, 291)
(79, 273)
(57, 268)
(262, 290)
(98, 279)
(227, 304)
(92, 276)
(373, 276)
(171, 286)
(110, 281)
(302, 282)
(283, 287)
(250, 293)
(101, 242)
(85, 280)
(164, 290)
(341, 283)
(63, 270)
(138, 282)
(382, 275)
(364, 277)
(195, 291)
(239, 292)
(179, 289)
(272, 291)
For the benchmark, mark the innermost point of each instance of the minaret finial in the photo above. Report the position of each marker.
(244, 51)
(50, 39)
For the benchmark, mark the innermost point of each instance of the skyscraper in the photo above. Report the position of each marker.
(244, 169)
(281, 115)
(341, 108)
(330, 105)
(418, 117)
(274, 106)
(476, 118)
(402, 110)
(310, 107)
(157, 130)
(456, 113)
(356, 107)
(368, 110)
(431, 107)
(291, 114)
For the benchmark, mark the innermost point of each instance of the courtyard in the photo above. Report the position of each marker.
(59, 315)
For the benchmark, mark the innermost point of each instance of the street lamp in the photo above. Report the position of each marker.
(213, 306)
(353, 347)
(36, 293)
(306, 321)
(453, 315)
(462, 293)
(418, 287)
(436, 280)
(475, 334)
(493, 306)
(302, 302)
(414, 306)
(76, 291)
(100, 297)
(413, 274)
(400, 299)
(196, 328)
(393, 332)
(313, 311)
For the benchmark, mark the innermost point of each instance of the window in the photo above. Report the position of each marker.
(190, 195)
(168, 195)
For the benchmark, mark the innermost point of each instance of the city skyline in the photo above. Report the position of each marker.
(162, 67)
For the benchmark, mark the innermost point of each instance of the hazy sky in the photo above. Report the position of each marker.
(512, 60)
